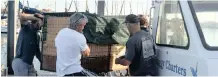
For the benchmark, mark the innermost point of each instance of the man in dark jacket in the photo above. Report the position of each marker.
(140, 53)
(27, 45)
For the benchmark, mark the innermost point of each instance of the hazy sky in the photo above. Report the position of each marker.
(137, 6)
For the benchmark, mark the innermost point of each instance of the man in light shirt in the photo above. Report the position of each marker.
(71, 45)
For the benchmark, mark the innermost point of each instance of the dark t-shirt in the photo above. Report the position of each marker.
(140, 51)
(144, 29)
(27, 44)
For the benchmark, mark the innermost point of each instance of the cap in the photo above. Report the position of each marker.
(131, 18)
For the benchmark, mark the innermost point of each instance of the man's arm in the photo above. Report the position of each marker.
(123, 61)
(84, 48)
(86, 52)
(25, 17)
(130, 54)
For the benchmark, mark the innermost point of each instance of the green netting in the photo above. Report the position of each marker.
(105, 30)
(99, 30)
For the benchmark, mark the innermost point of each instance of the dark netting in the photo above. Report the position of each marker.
(105, 30)
(101, 30)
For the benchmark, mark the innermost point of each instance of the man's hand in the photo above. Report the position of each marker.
(117, 61)
(25, 17)
(123, 61)
(86, 52)
(121, 57)
(39, 16)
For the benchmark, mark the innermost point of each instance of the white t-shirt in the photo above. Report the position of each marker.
(69, 44)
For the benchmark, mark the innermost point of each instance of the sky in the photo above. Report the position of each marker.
(112, 7)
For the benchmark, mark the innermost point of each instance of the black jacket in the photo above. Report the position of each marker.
(28, 45)
(144, 29)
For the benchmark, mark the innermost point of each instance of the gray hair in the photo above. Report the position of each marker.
(77, 19)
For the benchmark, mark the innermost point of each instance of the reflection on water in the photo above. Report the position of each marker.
(4, 49)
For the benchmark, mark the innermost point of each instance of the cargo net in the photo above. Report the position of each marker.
(106, 39)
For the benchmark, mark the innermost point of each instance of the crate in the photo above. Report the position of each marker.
(49, 62)
(98, 50)
(101, 59)
(51, 39)
(49, 50)
(56, 21)
(96, 64)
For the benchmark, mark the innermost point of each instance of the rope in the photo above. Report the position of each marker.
(76, 6)
(130, 7)
(124, 12)
(106, 7)
(55, 5)
(146, 8)
(65, 6)
(137, 6)
(121, 7)
(142, 9)
(23, 3)
(87, 7)
(96, 5)
(112, 7)
(70, 5)
(115, 8)
(28, 3)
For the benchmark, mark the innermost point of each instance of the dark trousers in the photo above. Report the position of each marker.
(76, 74)
(84, 72)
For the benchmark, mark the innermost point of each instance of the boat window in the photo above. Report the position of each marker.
(171, 26)
(206, 13)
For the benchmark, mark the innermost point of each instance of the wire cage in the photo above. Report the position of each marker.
(101, 59)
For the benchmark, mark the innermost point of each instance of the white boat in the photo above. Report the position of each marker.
(194, 47)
